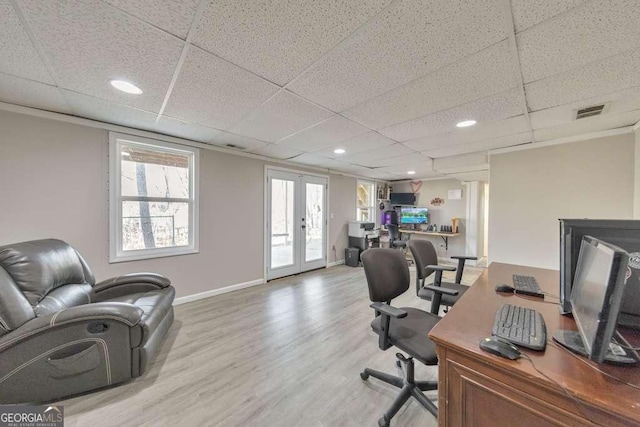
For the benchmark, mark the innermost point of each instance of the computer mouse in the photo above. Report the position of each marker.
(500, 347)
(505, 288)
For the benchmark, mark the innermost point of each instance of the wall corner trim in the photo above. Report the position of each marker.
(218, 291)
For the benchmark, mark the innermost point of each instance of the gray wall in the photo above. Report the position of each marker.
(441, 215)
(532, 189)
(55, 184)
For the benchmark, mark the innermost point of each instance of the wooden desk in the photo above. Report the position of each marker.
(444, 236)
(477, 388)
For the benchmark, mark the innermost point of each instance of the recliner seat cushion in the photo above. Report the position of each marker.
(402, 334)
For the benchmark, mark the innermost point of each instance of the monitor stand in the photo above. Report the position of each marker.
(615, 355)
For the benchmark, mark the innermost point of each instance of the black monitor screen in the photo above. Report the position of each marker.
(597, 293)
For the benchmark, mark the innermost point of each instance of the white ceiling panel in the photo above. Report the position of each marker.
(485, 73)
(319, 161)
(329, 132)
(364, 142)
(214, 92)
(174, 16)
(482, 175)
(479, 132)
(353, 169)
(370, 158)
(492, 108)
(587, 125)
(527, 13)
(19, 56)
(406, 41)
(382, 175)
(89, 43)
(596, 79)
(19, 91)
(596, 31)
(279, 39)
(182, 129)
(277, 151)
(462, 163)
(411, 160)
(241, 142)
(615, 102)
(475, 147)
(281, 116)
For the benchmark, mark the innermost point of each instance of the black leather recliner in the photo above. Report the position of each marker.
(61, 333)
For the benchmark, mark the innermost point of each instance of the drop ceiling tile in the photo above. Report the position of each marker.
(476, 147)
(277, 151)
(416, 161)
(174, 16)
(596, 31)
(315, 160)
(186, 130)
(381, 175)
(482, 175)
(492, 108)
(479, 132)
(364, 142)
(324, 134)
(485, 73)
(462, 163)
(588, 125)
(599, 78)
(527, 13)
(244, 143)
(419, 165)
(89, 43)
(19, 91)
(214, 92)
(279, 117)
(406, 41)
(19, 56)
(615, 102)
(279, 39)
(109, 112)
(372, 158)
(352, 169)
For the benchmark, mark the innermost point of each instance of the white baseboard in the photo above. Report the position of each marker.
(219, 291)
(333, 264)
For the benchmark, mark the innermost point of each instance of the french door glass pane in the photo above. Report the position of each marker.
(282, 222)
(314, 221)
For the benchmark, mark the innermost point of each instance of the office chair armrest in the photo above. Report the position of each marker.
(464, 257)
(389, 310)
(441, 290)
(440, 268)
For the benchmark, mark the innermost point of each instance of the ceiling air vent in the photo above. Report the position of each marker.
(236, 147)
(589, 111)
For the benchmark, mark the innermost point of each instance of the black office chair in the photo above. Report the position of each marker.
(426, 260)
(406, 328)
(395, 241)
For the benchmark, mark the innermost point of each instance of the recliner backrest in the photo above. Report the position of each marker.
(387, 273)
(424, 253)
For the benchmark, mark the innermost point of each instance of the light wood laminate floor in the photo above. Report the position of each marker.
(288, 353)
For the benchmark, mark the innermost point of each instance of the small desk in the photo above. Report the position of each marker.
(477, 388)
(444, 236)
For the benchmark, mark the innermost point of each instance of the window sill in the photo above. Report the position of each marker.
(142, 255)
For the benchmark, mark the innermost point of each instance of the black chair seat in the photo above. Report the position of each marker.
(447, 300)
(399, 244)
(402, 334)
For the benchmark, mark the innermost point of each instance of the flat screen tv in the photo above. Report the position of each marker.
(407, 199)
(622, 233)
(414, 215)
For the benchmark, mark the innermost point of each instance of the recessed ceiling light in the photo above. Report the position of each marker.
(339, 151)
(126, 87)
(411, 172)
(466, 123)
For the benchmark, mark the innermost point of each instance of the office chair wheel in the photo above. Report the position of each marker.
(382, 422)
(364, 376)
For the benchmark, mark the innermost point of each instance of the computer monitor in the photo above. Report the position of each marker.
(414, 215)
(598, 287)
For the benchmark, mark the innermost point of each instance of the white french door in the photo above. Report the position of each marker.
(296, 223)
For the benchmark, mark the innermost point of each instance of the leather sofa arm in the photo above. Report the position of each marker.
(128, 314)
(128, 284)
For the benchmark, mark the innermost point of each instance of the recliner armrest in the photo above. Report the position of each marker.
(440, 268)
(389, 310)
(464, 257)
(441, 290)
(157, 280)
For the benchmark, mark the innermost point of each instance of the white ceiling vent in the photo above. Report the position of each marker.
(594, 110)
(235, 147)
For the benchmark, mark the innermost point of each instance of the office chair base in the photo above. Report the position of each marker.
(409, 388)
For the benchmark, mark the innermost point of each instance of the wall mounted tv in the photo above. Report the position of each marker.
(407, 199)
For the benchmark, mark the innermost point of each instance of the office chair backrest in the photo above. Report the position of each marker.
(424, 253)
(394, 234)
(387, 273)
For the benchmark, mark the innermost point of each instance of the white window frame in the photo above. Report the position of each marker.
(116, 254)
(372, 208)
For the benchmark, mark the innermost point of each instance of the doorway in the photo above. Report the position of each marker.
(296, 222)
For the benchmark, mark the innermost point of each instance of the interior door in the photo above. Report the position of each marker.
(296, 223)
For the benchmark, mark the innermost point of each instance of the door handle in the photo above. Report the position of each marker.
(304, 226)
